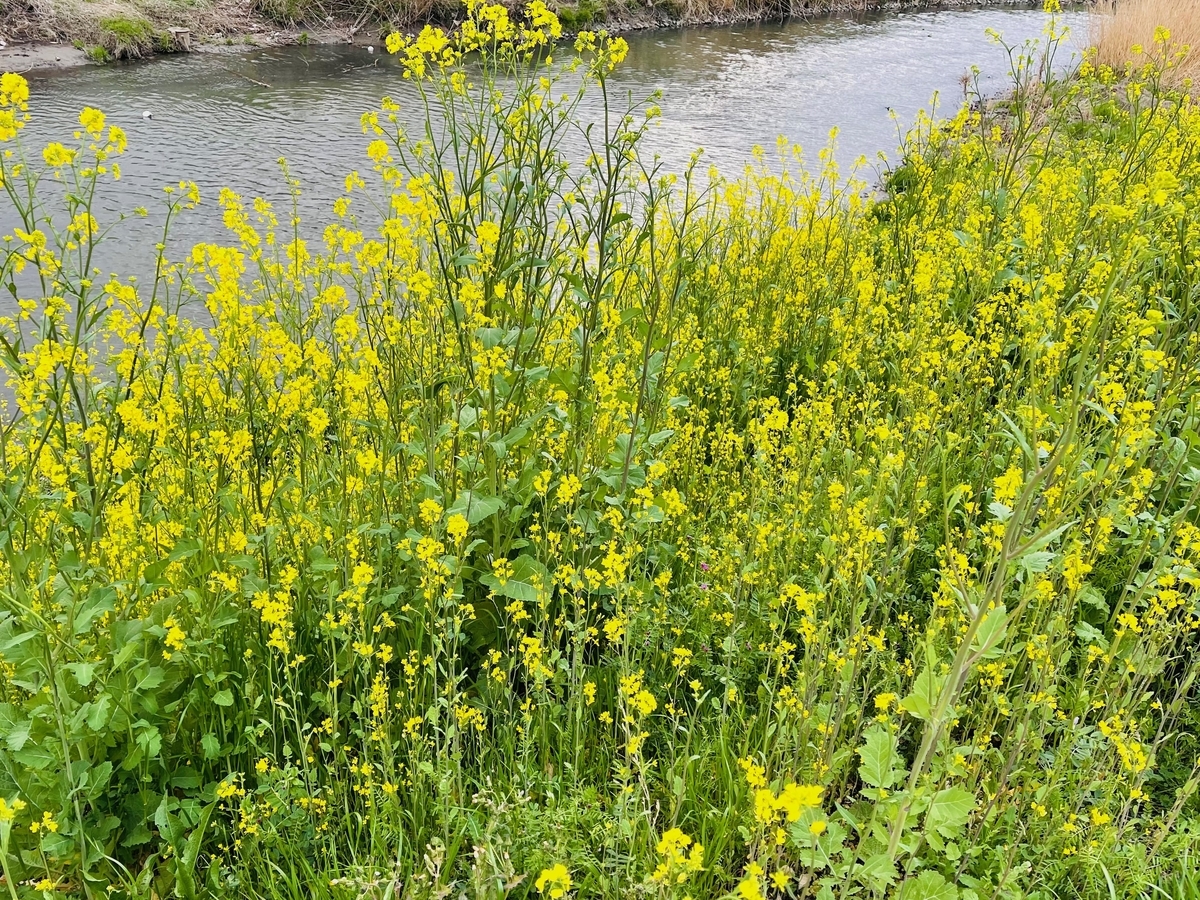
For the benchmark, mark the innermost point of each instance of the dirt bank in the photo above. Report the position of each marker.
(36, 34)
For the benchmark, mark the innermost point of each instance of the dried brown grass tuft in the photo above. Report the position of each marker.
(1120, 26)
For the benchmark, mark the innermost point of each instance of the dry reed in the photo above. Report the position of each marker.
(1118, 27)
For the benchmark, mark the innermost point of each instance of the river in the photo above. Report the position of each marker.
(223, 119)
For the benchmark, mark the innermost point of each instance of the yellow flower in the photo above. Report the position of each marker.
(430, 511)
(677, 861)
(457, 528)
(228, 789)
(175, 638)
(55, 154)
(749, 888)
(554, 881)
(883, 702)
(14, 90)
(10, 808)
(756, 775)
(92, 121)
(794, 798)
(644, 702)
(46, 823)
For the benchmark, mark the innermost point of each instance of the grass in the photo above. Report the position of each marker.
(127, 38)
(557, 527)
(1118, 28)
(135, 25)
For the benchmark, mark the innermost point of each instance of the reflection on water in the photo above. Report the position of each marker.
(223, 119)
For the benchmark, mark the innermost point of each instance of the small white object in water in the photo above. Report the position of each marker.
(147, 115)
(370, 49)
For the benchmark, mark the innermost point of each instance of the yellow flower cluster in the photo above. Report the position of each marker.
(679, 858)
(573, 501)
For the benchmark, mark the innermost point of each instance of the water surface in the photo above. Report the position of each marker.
(223, 119)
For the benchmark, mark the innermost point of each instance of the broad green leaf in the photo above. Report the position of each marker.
(880, 761)
(98, 712)
(528, 575)
(1089, 634)
(153, 678)
(990, 633)
(211, 746)
(1090, 596)
(948, 811)
(928, 886)
(35, 756)
(84, 672)
(1038, 561)
(878, 871)
(475, 507)
(17, 735)
(223, 698)
(97, 603)
(925, 691)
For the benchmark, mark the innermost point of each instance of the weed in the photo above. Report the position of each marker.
(564, 526)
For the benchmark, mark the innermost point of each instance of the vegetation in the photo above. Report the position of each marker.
(127, 38)
(1117, 29)
(556, 526)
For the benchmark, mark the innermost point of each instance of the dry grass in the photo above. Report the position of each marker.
(1118, 27)
(113, 24)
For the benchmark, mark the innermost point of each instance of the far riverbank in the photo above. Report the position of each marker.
(40, 34)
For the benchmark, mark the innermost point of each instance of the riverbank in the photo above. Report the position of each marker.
(40, 34)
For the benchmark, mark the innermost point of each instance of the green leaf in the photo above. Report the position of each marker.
(948, 811)
(188, 852)
(990, 633)
(880, 761)
(223, 698)
(1038, 561)
(17, 735)
(153, 678)
(97, 603)
(97, 779)
(210, 745)
(98, 712)
(475, 507)
(35, 756)
(928, 886)
(1089, 596)
(84, 672)
(925, 691)
(878, 871)
(528, 574)
(1089, 634)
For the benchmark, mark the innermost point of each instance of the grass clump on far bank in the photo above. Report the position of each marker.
(556, 526)
(124, 38)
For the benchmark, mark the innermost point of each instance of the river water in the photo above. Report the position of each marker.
(223, 119)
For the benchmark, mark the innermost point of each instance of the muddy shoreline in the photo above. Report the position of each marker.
(22, 53)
